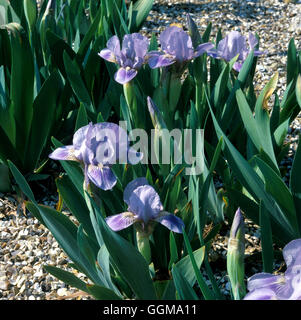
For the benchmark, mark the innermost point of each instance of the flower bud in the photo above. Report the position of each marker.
(235, 256)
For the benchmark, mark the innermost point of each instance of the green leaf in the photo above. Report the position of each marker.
(21, 182)
(82, 117)
(298, 90)
(253, 183)
(186, 268)
(266, 239)
(76, 82)
(43, 118)
(275, 186)
(30, 10)
(291, 69)
(101, 293)
(67, 277)
(89, 36)
(141, 9)
(75, 202)
(295, 183)
(21, 84)
(184, 289)
(173, 250)
(65, 233)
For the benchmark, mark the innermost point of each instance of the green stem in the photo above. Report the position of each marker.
(131, 100)
(144, 246)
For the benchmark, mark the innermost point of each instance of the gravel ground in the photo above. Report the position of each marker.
(25, 245)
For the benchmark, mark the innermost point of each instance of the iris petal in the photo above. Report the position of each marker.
(63, 153)
(121, 221)
(124, 75)
(102, 177)
(171, 222)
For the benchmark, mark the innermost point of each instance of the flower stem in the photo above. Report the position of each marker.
(144, 246)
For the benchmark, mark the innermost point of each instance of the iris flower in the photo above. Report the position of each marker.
(130, 58)
(97, 147)
(177, 48)
(232, 45)
(266, 286)
(144, 208)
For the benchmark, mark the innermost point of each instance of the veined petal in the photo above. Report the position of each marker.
(145, 203)
(160, 60)
(113, 45)
(170, 221)
(263, 279)
(63, 153)
(121, 221)
(107, 55)
(292, 254)
(261, 294)
(202, 48)
(252, 40)
(102, 176)
(132, 186)
(124, 75)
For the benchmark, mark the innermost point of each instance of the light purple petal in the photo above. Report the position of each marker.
(107, 55)
(238, 223)
(121, 221)
(160, 60)
(237, 66)
(263, 279)
(132, 186)
(63, 153)
(231, 45)
(123, 76)
(171, 221)
(292, 253)
(213, 53)
(102, 177)
(202, 48)
(145, 203)
(252, 40)
(261, 294)
(136, 43)
(176, 42)
(113, 45)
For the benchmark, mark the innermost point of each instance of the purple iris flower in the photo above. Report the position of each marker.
(266, 286)
(98, 147)
(176, 47)
(130, 58)
(232, 45)
(144, 207)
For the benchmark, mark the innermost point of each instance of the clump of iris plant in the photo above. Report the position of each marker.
(97, 147)
(266, 286)
(144, 210)
(130, 57)
(177, 49)
(236, 44)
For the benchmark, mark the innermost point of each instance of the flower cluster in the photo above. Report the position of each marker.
(266, 286)
(176, 49)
